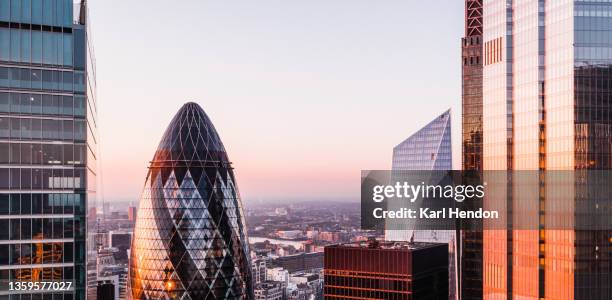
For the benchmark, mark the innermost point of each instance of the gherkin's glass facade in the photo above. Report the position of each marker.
(190, 238)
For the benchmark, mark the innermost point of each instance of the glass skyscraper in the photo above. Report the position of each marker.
(428, 149)
(547, 106)
(470, 238)
(190, 238)
(48, 146)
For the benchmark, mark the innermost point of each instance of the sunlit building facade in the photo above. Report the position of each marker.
(546, 106)
(190, 237)
(48, 146)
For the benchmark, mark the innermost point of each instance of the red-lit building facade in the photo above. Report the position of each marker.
(386, 270)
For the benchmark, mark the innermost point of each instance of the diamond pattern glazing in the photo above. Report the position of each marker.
(190, 238)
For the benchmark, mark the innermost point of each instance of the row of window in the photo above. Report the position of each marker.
(37, 229)
(42, 154)
(46, 274)
(26, 103)
(42, 12)
(41, 296)
(36, 204)
(38, 79)
(36, 46)
(37, 178)
(46, 129)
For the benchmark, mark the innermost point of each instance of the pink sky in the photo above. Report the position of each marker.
(304, 94)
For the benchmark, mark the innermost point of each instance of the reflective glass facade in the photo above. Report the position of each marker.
(547, 107)
(470, 241)
(190, 237)
(48, 146)
(428, 149)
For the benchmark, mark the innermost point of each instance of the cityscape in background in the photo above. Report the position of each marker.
(536, 95)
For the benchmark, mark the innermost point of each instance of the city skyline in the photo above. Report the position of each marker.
(290, 85)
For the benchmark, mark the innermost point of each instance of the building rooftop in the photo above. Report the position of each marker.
(388, 245)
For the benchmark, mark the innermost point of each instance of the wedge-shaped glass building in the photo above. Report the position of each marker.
(190, 238)
(428, 149)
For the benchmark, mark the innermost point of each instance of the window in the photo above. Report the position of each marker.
(79, 106)
(36, 78)
(36, 103)
(68, 130)
(4, 153)
(4, 11)
(4, 102)
(5, 40)
(67, 50)
(15, 128)
(4, 128)
(26, 11)
(79, 81)
(67, 81)
(37, 47)
(15, 44)
(67, 105)
(47, 79)
(15, 10)
(79, 130)
(48, 48)
(25, 46)
(37, 11)
(47, 12)
(4, 77)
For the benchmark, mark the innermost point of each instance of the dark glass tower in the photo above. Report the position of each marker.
(470, 241)
(48, 145)
(190, 238)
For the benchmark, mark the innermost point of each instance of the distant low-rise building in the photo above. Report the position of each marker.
(289, 234)
(259, 270)
(269, 290)
(300, 262)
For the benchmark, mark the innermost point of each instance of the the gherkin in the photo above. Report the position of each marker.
(190, 238)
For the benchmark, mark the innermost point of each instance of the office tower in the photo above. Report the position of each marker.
(546, 106)
(107, 290)
(386, 270)
(429, 149)
(258, 270)
(471, 71)
(269, 290)
(122, 241)
(48, 145)
(132, 213)
(469, 250)
(190, 237)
